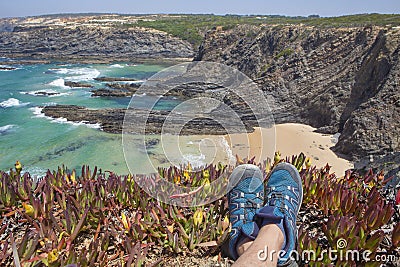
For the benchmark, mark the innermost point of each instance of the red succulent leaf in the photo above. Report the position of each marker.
(373, 242)
(396, 235)
(398, 198)
(369, 176)
(387, 213)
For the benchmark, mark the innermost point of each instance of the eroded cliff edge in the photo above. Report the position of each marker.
(336, 79)
(87, 38)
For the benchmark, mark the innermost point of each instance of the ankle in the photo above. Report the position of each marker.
(274, 232)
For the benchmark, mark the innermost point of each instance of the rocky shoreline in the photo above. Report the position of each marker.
(117, 90)
(77, 84)
(112, 121)
(338, 80)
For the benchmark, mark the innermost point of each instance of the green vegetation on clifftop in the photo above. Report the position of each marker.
(193, 27)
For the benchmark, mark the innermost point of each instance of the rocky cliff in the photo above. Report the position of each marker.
(336, 79)
(87, 38)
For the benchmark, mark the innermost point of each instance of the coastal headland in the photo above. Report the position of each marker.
(341, 79)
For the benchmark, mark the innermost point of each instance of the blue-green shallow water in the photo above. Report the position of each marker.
(41, 143)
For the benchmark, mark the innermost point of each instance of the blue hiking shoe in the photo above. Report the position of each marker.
(284, 194)
(245, 196)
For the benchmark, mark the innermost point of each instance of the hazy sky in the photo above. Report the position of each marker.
(17, 8)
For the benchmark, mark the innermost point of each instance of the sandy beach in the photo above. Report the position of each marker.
(290, 139)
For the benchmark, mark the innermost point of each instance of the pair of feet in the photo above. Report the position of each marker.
(252, 206)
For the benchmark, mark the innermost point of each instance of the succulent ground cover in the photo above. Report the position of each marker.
(102, 219)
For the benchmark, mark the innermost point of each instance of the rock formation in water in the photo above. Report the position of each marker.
(112, 121)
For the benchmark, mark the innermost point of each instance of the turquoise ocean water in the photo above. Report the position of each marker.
(42, 143)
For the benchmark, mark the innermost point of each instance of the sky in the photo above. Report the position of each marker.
(20, 8)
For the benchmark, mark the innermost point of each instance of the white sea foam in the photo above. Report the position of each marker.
(36, 173)
(3, 68)
(7, 128)
(129, 82)
(37, 111)
(142, 95)
(59, 83)
(65, 121)
(87, 124)
(12, 102)
(45, 92)
(196, 161)
(77, 74)
(50, 104)
(119, 66)
(227, 149)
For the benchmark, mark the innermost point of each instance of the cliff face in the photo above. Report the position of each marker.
(337, 79)
(89, 41)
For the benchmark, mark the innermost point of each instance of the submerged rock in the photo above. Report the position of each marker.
(104, 92)
(77, 84)
(7, 68)
(114, 79)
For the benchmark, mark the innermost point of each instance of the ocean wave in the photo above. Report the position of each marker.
(12, 102)
(37, 111)
(36, 173)
(196, 161)
(128, 82)
(46, 92)
(77, 74)
(6, 129)
(228, 151)
(65, 121)
(8, 68)
(119, 66)
(59, 83)
(50, 104)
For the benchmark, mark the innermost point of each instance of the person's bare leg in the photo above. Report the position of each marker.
(259, 252)
(243, 246)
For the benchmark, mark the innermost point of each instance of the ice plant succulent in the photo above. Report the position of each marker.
(198, 217)
(102, 219)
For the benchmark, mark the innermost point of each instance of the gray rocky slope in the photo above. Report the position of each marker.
(336, 79)
(81, 42)
(342, 80)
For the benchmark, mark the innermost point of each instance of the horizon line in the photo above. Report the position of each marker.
(200, 14)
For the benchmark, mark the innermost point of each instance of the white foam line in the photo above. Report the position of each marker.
(37, 111)
(45, 93)
(12, 102)
(6, 128)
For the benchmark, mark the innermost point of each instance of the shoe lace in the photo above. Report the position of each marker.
(276, 199)
(251, 203)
